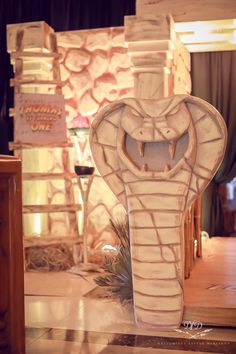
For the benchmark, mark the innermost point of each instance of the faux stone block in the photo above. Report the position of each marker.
(153, 27)
(76, 60)
(35, 38)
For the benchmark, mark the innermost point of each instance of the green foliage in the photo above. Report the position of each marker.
(118, 274)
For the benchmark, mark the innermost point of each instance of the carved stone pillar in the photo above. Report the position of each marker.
(46, 163)
(160, 62)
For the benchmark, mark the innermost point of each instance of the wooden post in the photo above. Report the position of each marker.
(160, 62)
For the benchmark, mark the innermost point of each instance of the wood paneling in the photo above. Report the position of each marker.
(210, 292)
(11, 259)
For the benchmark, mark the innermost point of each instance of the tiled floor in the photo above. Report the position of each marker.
(67, 341)
(61, 320)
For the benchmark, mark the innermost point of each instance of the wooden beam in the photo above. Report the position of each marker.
(48, 239)
(49, 208)
(191, 10)
(18, 146)
(47, 176)
(18, 82)
(21, 54)
(203, 26)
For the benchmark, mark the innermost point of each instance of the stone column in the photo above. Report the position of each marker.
(25, 43)
(160, 62)
(47, 179)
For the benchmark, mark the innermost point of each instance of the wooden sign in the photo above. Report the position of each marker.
(39, 118)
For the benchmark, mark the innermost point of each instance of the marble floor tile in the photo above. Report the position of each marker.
(49, 311)
(99, 315)
(57, 284)
(61, 347)
(197, 344)
(32, 334)
(91, 314)
(66, 319)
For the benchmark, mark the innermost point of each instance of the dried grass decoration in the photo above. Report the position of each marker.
(55, 257)
(118, 274)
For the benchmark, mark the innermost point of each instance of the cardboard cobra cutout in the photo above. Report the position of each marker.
(157, 156)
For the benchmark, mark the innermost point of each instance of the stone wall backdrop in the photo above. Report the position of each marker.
(96, 70)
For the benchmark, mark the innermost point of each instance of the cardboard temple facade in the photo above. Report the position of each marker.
(157, 156)
(157, 152)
